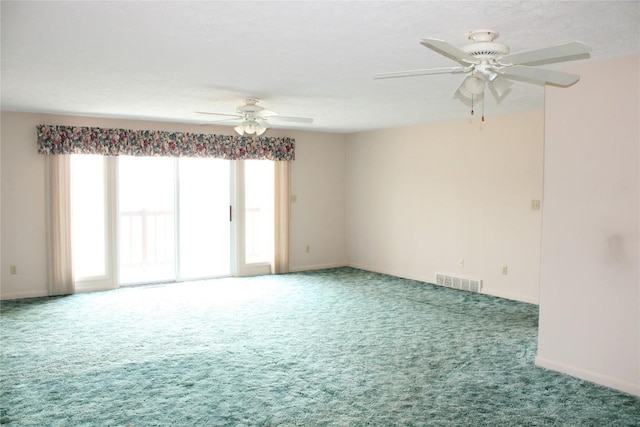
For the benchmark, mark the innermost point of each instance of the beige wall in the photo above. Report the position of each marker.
(22, 216)
(590, 260)
(421, 199)
(317, 177)
(317, 215)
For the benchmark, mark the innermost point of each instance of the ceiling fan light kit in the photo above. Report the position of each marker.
(473, 85)
(249, 127)
(488, 63)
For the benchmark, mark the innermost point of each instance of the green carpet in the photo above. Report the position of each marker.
(339, 347)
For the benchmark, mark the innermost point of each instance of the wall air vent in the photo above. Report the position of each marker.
(456, 282)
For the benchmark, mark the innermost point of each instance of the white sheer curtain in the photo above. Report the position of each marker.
(281, 206)
(58, 219)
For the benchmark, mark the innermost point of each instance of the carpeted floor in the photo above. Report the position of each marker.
(339, 347)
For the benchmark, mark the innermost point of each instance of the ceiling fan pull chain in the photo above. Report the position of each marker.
(472, 104)
(483, 108)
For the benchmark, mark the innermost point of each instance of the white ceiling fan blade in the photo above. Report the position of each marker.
(218, 114)
(500, 87)
(557, 78)
(236, 116)
(450, 51)
(230, 120)
(425, 72)
(291, 119)
(266, 113)
(569, 51)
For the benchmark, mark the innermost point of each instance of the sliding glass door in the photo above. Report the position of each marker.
(142, 220)
(147, 217)
(174, 219)
(203, 218)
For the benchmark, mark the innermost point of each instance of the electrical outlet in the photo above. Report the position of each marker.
(13, 270)
(535, 205)
(461, 262)
(505, 269)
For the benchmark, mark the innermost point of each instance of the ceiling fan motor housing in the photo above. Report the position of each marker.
(250, 107)
(483, 46)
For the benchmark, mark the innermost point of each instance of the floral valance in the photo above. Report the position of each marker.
(115, 142)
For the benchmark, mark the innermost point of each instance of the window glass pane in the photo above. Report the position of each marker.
(146, 219)
(88, 216)
(258, 200)
(204, 217)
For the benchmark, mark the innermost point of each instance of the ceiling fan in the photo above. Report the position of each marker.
(487, 63)
(254, 118)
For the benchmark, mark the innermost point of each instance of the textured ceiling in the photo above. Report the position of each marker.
(166, 60)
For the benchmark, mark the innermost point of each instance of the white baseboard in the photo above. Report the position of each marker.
(388, 272)
(511, 296)
(23, 295)
(315, 267)
(594, 377)
(490, 292)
